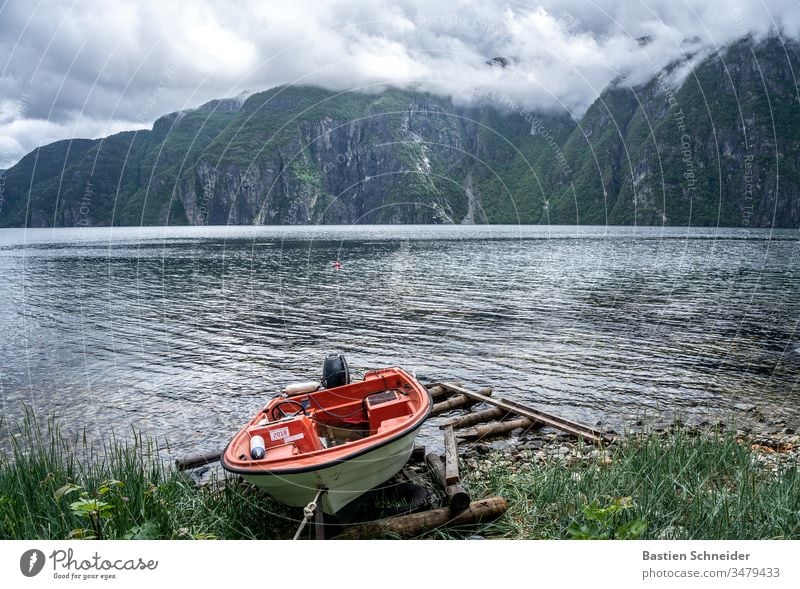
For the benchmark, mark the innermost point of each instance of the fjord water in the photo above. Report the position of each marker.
(185, 332)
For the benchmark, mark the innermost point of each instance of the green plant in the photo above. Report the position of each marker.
(607, 522)
(55, 487)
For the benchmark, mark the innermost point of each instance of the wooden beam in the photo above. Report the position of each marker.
(319, 524)
(573, 427)
(451, 476)
(417, 523)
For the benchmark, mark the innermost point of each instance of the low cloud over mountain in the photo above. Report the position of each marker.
(87, 70)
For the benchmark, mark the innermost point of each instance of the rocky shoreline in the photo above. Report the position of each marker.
(774, 447)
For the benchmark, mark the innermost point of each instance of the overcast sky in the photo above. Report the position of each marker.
(75, 68)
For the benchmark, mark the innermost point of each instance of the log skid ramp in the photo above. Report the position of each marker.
(429, 493)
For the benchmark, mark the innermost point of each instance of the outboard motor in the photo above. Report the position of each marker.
(335, 372)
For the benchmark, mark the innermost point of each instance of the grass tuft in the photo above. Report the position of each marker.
(53, 489)
(711, 486)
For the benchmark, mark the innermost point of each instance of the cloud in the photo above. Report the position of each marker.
(85, 67)
(10, 151)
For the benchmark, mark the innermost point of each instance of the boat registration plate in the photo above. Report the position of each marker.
(283, 434)
(279, 434)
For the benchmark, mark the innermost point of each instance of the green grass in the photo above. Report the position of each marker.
(705, 487)
(680, 486)
(55, 488)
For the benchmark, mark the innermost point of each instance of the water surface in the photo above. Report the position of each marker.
(185, 332)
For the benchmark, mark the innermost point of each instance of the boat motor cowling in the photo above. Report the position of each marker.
(335, 372)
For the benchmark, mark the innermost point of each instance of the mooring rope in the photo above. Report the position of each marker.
(308, 513)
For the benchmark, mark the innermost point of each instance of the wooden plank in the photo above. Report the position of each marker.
(469, 419)
(575, 428)
(425, 521)
(450, 457)
(438, 392)
(319, 523)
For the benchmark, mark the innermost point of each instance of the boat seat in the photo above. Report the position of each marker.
(281, 452)
(386, 406)
(388, 424)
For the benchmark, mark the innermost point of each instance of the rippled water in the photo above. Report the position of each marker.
(185, 332)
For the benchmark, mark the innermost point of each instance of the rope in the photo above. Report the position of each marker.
(308, 513)
(331, 413)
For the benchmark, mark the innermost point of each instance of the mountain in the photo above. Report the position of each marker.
(721, 148)
(717, 143)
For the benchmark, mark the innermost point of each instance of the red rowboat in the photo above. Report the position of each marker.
(346, 439)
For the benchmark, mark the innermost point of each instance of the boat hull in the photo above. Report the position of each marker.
(345, 481)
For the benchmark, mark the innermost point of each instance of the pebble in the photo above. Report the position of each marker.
(533, 445)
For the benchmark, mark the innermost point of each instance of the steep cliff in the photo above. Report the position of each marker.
(717, 145)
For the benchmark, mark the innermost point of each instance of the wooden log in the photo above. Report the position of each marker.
(410, 475)
(457, 402)
(451, 476)
(438, 392)
(197, 460)
(417, 454)
(573, 427)
(457, 496)
(319, 524)
(475, 417)
(418, 523)
(452, 403)
(498, 428)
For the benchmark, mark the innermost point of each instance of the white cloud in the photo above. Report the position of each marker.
(75, 69)
(10, 151)
(44, 132)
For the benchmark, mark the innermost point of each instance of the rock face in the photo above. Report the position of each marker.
(720, 147)
(388, 165)
(715, 145)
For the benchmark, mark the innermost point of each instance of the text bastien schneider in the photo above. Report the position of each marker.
(695, 555)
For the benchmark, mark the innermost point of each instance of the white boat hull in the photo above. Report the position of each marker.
(345, 481)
